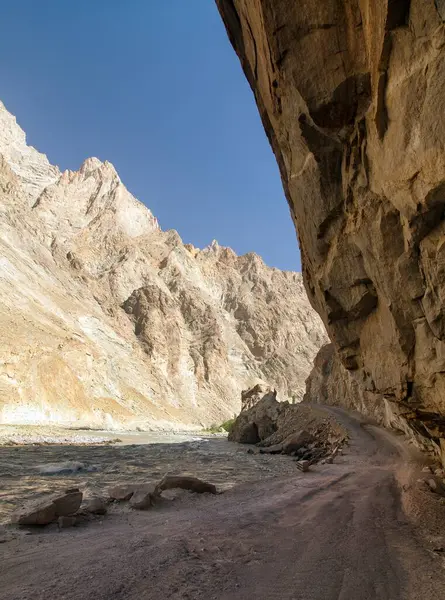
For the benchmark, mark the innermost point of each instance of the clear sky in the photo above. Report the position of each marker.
(154, 87)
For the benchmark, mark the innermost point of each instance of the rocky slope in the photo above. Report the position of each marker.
(108, 321)
(351, 96)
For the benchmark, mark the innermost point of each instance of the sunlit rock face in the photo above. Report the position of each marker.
(108, 321)
(351, 97)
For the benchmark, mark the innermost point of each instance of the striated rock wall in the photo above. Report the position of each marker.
(108, 321)
(351, 94)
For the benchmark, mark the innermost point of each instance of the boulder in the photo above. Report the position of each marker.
(41, 512)
(144, 497)
(95, 506)
(258, 422)
(69, 503)
(251, 397)
(436, 486)
(46, 510)
(296, 441)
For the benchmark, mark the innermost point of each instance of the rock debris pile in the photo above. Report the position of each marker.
(306, 432)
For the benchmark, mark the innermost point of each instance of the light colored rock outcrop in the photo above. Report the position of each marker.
(108, 321)
(351, 97)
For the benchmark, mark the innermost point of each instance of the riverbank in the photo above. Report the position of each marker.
(351, 529)
(32, 435)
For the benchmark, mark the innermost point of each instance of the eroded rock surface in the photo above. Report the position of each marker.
(108, 321)
(351, 97)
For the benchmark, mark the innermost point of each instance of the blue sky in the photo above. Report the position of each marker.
(154, 87)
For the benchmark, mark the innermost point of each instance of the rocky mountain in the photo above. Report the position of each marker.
(108, 321)
(351, 97)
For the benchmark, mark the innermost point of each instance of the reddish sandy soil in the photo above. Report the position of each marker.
(339, 532)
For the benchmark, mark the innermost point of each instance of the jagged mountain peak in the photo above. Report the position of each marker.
(31, 166)
(107, 320)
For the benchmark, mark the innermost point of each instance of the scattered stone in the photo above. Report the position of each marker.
(64, 522)
(95, 506)
(184, 482)
(144, 497)
(296, 440)
(426, 470)
(436, 486)
(121, 493)
(303, 465)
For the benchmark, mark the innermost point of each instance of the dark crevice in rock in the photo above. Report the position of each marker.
(398, 14)
(333, 217)
(381, 114)
(349, 100)
(440, 7)
(360, 310)
(430, 214)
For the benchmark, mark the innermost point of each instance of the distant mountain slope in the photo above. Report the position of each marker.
(108, 321)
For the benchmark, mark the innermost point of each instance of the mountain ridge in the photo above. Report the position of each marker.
(109, 321)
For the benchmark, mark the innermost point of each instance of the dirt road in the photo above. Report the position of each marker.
(337, 532)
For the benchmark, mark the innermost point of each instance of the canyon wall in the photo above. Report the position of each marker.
(351, 94)
(108, 321)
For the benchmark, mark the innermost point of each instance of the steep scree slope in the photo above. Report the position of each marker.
(106, 320)
(351, 94)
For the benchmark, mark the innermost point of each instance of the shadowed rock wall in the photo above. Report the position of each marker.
(351, 94)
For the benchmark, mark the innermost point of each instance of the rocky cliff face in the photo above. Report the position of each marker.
(351, 95)
(108, 321)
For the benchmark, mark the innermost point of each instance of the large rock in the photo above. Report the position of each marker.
(41, 512)
(297, 440)
(47, 510)
(144, 497)
(253, 395)
(107, 320)
(258, 422)
(350, 95)
(95, 506)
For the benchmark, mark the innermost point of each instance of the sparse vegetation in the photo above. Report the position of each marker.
(227, 425)
(224, 427)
